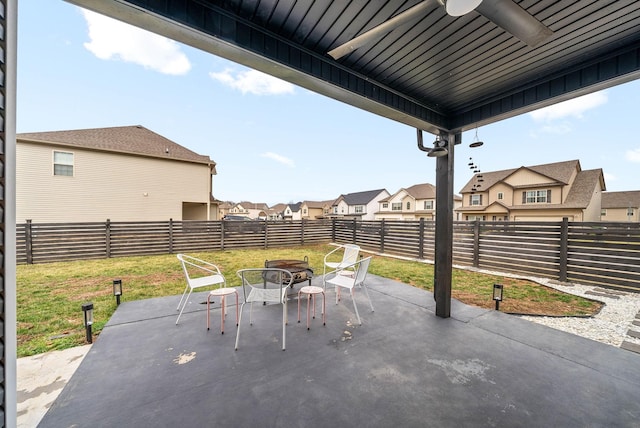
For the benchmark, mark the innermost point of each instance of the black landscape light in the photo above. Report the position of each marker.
(497, 294)
(87, 310)
(117, 290)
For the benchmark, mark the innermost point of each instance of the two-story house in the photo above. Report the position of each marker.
(292, 212)
(411, 203)
(250, 209)
(620, 206)
(361, 205)
(224, 208)
(126, 173)
(315, 209)
(546, 192)
(276, 212)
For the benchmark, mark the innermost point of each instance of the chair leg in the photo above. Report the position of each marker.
(238, 328)
(355, 307)
(366, 290)
(182, 297)
(183, 306)
(208, 311)
(284, 325)
(223, 315)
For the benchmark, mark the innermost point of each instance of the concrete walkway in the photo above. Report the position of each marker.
(41, 378)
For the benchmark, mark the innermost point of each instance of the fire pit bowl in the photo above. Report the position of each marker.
(299, 269)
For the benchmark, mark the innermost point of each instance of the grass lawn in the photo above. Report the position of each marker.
(50, 295)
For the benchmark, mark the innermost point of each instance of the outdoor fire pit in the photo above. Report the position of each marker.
(299, 269)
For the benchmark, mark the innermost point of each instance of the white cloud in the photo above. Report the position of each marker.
(633, 155)
(111, 39)
(571, 108)
(253, 82)
(279, 158)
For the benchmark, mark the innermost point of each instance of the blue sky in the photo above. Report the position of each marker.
(274, 142)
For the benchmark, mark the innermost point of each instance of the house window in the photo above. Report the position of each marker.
(335, 210)
(359, 209)
(63, 163)
(536, 197)
(408, 206)
(304, 211)
(500, 196)
(603, 212)
(475, 200)
(428, 205)
(630, 212)
(396, 206)
(385, 205)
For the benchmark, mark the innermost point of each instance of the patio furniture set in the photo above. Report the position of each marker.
(270, 285)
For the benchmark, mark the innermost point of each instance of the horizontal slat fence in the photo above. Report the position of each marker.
(604, 254)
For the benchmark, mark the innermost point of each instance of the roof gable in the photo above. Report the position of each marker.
(557, 171)
(136, 140)
(360, 198)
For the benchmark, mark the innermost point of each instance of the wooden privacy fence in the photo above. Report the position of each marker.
(605, 254)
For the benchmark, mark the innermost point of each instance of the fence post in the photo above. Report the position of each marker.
(354, 230)
(222, 234)
(302, 233)
(28, 244)
(564, 250)
(107, 237)
(476, 243)
(170, 236)
(421, 239)
(266, 235)
(382, 233)
(333, 229)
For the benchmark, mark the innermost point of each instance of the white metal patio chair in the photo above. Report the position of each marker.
(200, 274)
(264, 286)
(346, 279)
(349, 257)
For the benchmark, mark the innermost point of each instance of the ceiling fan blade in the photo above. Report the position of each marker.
(511, 17)
(382, 29)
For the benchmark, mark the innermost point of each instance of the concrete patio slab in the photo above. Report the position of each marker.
(403, 367)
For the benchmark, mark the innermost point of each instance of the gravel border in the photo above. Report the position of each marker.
(609, 326)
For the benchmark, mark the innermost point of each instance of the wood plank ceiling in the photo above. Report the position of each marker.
(436, 73)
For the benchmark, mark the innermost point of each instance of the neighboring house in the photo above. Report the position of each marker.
(292, 212)
(276, 212)
(620, 206)
(224, 208)
(546, 192)
(126, 173)
(315, 209)
(250, 209)
(412, 203)
(361, 205)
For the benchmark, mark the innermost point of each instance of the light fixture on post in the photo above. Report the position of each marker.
(117, 290)
(497, 294)
(460, 7)
(87, 310)
(439, 146)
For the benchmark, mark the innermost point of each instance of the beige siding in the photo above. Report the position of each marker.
(525, 177)
(106, 186)
(507, 191)
(592, 212)
(620, 214)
